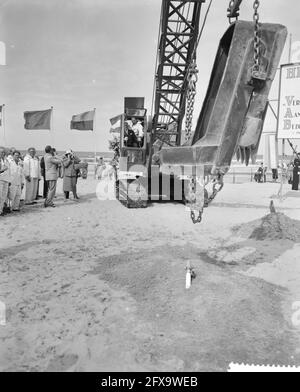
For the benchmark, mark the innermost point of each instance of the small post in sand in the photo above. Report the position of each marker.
(272, 207)
(190, 275)
(2, 314)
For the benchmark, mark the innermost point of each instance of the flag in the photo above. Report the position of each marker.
(38, 119)
(116, 124)
(83, 121)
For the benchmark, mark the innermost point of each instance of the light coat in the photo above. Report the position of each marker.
(32, 167)
(51, 165)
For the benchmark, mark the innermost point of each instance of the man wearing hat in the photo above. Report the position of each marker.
(70, 162)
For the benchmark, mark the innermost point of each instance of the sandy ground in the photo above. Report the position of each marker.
(92, 286)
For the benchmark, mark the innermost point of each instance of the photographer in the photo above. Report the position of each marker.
(70, 175)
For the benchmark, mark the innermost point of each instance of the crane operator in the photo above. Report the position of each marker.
(137, 127)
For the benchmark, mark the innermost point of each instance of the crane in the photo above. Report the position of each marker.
(161, 156)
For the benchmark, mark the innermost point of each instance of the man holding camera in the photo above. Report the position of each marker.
(70, 162)
(52, 163)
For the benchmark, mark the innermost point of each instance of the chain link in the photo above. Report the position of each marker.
(231, 4)
(218, 185)
(191, 95)
(193, 200)
(198, 219)
(256, 36)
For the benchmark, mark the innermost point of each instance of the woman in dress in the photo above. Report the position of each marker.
(100, 168)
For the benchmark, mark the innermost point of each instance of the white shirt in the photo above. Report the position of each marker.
(16, 174)
(5, 176)
(31, 167)
(137, 128)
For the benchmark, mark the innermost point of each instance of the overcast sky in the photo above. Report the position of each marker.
(76, 55)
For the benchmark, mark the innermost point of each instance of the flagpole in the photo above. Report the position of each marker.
(3, 122)
(95, 137)
(51, 128)
(289, 61)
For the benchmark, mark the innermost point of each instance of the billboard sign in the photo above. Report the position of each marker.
(289, 102)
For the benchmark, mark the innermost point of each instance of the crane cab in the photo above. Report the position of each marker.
(132, 184)
(134, 132)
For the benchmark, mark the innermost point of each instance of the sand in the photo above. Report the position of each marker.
(272, 227)
(92, 286)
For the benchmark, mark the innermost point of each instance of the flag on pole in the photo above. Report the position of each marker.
(116, 124)
(83, 121)
(38, 119)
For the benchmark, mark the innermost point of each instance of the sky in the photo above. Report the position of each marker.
(77, 55)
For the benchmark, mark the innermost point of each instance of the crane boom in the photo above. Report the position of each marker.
(155, 162)
(180, 21)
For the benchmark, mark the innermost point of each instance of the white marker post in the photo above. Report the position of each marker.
(188, 278)
(2, 314)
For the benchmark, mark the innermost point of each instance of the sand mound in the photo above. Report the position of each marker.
(276, 226)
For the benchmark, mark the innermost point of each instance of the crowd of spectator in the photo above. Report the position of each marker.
(21, 175)
(289, 171)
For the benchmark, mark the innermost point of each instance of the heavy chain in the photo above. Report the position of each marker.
(194, 219)
(256, 36)
(193, 200)
(196, 203)
(218, 185)
(231, 4)
(191, 94)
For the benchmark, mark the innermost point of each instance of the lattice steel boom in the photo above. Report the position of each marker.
(178, 40)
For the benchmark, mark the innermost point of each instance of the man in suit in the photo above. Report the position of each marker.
(32, 174)
(51, 173)
(43, 173)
